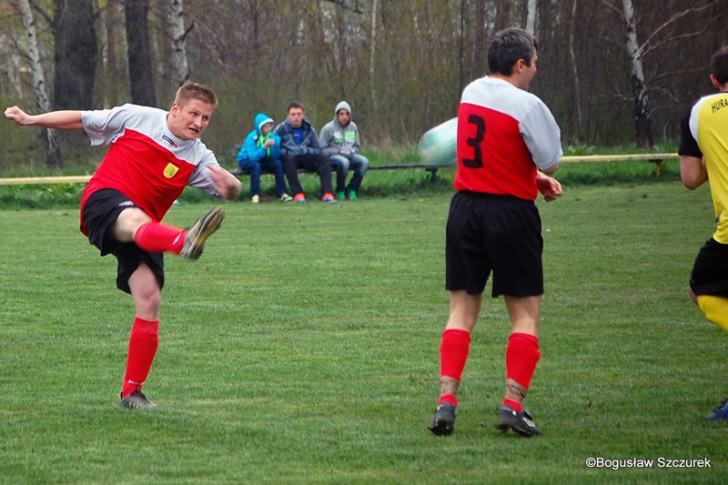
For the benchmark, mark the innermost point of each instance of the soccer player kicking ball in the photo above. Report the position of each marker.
(153, 155)
(507, 141)
(704, 156)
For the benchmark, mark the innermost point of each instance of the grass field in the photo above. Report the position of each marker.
(302, 347)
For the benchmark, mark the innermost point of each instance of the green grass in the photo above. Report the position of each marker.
(303, 348)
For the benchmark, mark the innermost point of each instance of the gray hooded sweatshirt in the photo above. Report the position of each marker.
(336, 139)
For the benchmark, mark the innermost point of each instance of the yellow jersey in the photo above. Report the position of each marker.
(705, 134)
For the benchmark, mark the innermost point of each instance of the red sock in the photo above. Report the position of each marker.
(156, 237)
(522, 355)
(454, 349)
(448, 398)
(143, 343)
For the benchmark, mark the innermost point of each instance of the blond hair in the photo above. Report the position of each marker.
(191, 90)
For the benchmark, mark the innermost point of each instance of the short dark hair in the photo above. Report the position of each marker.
(719, 65)
(295, 104)
(507, 47)
(192, 90)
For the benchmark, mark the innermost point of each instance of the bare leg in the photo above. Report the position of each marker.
(145, 292)
(127, 224)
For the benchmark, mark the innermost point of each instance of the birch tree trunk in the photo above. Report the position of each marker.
(53, 156)
(575, 72)
(180, 66)
(531, 17)
(643, 129)
(372, 58)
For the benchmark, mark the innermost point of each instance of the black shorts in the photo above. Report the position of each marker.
(496, 233)
(100, 212)
(710, 271)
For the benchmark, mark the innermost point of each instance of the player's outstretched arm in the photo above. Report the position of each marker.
(57, 120)
(226, 183)
(549, 187)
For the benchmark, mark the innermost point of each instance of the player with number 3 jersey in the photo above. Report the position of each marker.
(507, 143)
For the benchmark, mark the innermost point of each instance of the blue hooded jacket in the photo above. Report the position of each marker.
(252, 149)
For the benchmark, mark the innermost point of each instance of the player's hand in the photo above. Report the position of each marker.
(549, 187)
(226, 183)
(16, 114)
(268, 143)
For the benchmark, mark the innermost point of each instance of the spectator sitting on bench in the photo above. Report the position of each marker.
(300, 149)
(261, 151)
(340, 141)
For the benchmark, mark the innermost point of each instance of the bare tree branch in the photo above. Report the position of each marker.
(189, 29)
(34, 5)
(656, 45)
(670, 21)
(681, 71)
(613, 8)
(212, 42)
(100, 10)
(670, 94)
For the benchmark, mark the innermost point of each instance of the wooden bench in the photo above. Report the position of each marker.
(432, 168)
(429, 167)
(656, 158)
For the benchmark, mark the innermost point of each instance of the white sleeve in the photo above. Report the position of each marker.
(106, 125)
(201, 178)
(542, 136)
(693, 122)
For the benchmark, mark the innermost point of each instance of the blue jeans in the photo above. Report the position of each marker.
(267, 165)
(342, 164)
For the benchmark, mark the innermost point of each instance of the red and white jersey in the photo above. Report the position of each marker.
(504, 134)
(145, 161)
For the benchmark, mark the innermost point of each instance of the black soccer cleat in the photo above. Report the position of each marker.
(443, 422)
(200, 231)
(522, 423)
(137, 400)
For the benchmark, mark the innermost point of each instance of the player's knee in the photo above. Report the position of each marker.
(148, 299)
(128, 222)
(715, 309)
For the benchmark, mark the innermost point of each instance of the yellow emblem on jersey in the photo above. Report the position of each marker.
(170, 170)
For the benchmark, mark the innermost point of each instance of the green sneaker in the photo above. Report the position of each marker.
(352, 195)
(341, 195)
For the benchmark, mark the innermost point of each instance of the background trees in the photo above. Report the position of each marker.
(613, 71)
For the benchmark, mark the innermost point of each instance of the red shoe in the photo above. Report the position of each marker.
(299, 197)
(328, 198)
